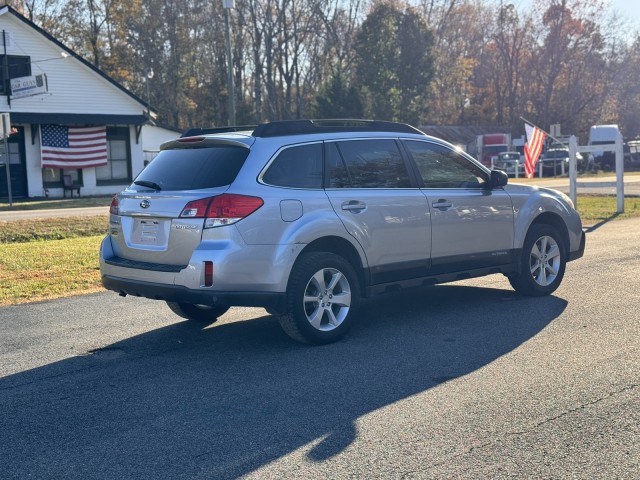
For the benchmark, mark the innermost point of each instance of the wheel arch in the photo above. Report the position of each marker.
(342, 247)
(555, 221)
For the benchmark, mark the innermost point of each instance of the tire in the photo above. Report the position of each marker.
(543, 262)
(198, 313)
(322, 299)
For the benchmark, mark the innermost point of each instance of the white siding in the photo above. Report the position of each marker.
(154, 136)
(73, 87)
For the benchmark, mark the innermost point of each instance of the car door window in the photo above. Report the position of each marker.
(442, 167)
(296, 167)
(366, 164)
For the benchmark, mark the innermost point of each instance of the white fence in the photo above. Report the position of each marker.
(616, 147)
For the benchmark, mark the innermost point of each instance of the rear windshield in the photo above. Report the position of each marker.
(556, 154)
(192, 168)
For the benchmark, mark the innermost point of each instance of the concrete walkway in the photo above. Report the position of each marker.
(52, 213)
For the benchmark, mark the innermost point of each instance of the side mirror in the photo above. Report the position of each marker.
(498, 179)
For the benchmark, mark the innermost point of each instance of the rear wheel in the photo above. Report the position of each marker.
(199, 313)
(322, 298)
(543, 262)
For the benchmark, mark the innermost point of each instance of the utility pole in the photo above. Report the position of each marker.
(227, 5)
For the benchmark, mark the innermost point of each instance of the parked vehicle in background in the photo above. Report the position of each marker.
(603, 135)
(632, 155)
(491, 145)
(555, 162)
(512, 163)
(305, 218)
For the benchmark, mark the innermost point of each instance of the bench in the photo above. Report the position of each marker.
(69, 185)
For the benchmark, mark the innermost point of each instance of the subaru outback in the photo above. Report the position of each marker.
(306, 218)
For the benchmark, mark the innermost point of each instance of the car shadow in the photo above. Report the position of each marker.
(187, 401)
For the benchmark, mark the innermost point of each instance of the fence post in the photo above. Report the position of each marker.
(573, 169)
(620, 172)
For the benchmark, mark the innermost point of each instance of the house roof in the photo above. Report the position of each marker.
(130, 119)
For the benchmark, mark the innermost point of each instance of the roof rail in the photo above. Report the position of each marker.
(204, 131)
(301, 127)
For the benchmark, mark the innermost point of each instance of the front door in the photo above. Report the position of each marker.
(17, 166)
(471, 225)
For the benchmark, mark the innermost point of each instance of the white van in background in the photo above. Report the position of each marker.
(603, 135)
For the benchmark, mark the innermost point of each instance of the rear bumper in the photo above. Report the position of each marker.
(178, 293)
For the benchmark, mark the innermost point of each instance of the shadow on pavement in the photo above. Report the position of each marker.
(593, 228)
(185, 401)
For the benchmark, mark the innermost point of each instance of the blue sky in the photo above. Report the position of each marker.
(630, 9)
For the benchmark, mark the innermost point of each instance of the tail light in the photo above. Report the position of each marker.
(114, 208)
(222, 210)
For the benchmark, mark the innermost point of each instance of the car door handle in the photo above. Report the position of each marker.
(442, 204)
(354, 206)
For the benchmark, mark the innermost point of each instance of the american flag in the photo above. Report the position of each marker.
(532, 149)
(73, 147)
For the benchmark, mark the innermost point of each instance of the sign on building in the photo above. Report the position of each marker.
(27, 86)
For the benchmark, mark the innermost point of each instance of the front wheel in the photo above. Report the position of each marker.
(543, 262)
(322, 297)
(198, 313)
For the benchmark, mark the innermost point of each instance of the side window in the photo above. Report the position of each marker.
(442, 167)
(338, 175)
(296, 167)
(366, 164)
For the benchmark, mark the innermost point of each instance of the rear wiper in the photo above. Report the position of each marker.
(145, 183)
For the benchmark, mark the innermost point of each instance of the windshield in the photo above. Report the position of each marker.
(191, 168)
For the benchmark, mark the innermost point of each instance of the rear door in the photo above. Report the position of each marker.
(371, 191)
(472, 225)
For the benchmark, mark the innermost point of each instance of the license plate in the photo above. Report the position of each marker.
(148, 232)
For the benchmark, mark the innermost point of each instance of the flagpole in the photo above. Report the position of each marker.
(541, 129)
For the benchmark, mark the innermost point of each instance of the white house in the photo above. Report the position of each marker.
(47, 88)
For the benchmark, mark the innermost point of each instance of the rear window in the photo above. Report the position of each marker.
(193, 168)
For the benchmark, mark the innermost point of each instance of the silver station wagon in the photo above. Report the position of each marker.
(307, 217)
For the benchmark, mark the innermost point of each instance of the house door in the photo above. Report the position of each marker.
(17, 166)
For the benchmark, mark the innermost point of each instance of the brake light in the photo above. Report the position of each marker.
(191, 139)
(223, 209)
(114, 207)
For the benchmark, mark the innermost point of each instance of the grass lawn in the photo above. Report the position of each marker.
(18, 231)
(40, 270)
(49, 258)
(598, 208)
